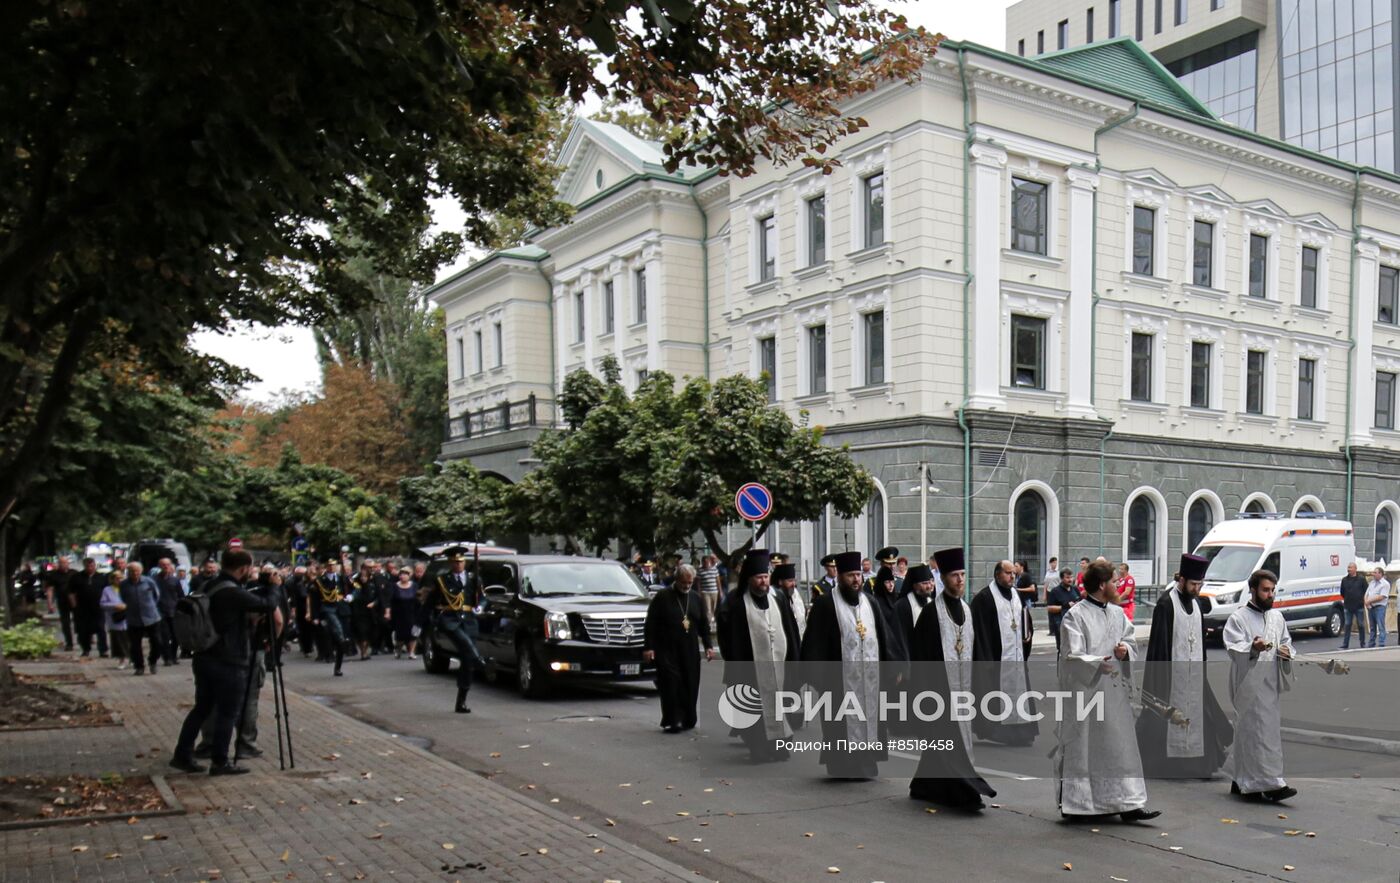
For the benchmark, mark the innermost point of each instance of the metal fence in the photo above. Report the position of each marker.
(504, 417)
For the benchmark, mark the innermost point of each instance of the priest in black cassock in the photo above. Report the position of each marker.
(941, 662)
(847, 639)
(885, 593)
(758, 638)
(1176, 675)
(1002, 631)
(784, 578)
(676, 626)
(913, 602)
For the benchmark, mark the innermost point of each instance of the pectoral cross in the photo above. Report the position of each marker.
(860, 627)
(1013, 623)
(958, 644)
(685, 623)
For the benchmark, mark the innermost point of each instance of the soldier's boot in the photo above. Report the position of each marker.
(339, 659)
(461, 707)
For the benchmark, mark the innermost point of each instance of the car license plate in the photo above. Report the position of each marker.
(631, 668)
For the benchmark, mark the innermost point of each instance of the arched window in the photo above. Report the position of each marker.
(1385, 529)
(1256, 507)
(1142, 530)
(875, 524)
(1306, 508)
(1030, 534)
(1199, 521)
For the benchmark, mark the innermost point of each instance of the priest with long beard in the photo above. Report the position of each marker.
(1261, 661)
(941, 663)
(847, 639)
(1098, 770)
(758, 638)
(1003, 643)
(1176, 675)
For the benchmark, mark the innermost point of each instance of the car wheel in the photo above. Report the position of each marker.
(528, 676)
(1332, 625)
(435, 661)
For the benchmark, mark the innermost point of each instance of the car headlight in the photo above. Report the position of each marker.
(556, 626)
(1228, 597)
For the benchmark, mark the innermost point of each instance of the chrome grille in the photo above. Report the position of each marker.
(625, 630)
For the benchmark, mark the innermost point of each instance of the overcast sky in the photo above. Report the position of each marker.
(285, 358)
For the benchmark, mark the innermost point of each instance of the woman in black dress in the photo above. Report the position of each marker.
(403, 614)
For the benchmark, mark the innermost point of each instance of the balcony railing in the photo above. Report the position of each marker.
(524, 414)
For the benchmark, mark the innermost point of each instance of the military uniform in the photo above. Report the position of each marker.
(827, 583)
(331, 607)
(451, 599)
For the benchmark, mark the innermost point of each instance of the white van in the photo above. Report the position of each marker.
(1309, 554)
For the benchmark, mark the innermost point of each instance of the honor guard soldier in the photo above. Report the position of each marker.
(887, 557)
(827, 584)
(451, 600)
(330, 609)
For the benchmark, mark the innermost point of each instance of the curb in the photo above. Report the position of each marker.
(173, 807)
(1342, 741)
(669, 868)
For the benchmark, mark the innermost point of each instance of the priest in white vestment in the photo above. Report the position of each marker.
(1097, 767)
(1261, 653)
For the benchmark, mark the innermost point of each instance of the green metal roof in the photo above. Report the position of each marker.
(1122, 64)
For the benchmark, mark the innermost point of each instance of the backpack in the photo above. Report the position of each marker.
(193, 622)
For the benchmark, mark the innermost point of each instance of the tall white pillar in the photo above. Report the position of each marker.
(656, 305)
(587, 284)
(986, 352)
(1363, 317)
(1082, 184)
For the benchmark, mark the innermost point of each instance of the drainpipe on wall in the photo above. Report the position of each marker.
(1094, 303)
(1351, 348)
(704, 273)
(966, 308)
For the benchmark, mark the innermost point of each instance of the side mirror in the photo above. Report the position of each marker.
(496, 591)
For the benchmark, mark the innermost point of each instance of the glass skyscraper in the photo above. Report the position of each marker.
(1224, 77)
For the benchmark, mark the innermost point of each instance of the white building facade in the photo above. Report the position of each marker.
(1051, 314)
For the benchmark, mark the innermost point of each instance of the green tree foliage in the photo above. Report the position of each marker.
(327, 502)
(655, 468)
(454, 501)
(176, 166)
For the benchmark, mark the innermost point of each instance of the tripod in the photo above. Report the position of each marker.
(279, 702)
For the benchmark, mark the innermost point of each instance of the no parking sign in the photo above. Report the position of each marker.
(754, 501)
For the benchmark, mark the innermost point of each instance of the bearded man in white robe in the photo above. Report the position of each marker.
(1098, 770)
(1261, 653)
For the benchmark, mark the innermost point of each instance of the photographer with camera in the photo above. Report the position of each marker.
(217, 622)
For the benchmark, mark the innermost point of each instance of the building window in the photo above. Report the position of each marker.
(1142, 530)
(816, 360)
(1254, 381)
(1062, 35)
(768, 365)
(816, 230)
(875, 522)
(1144, 234)
(639, 283)
(1385, 528)
(1089, 25)
(578, 317)
(1180, 12)
(1224, 77)
(1138, 29)
(1256, 507)
(1021, 48)
(767, 248)
(1140, 382)
(642, 375)
(1199, 521)
(1203, 254)
(1307, 281)
(1157, 17)
(461, 358)
(874, 348)
(1385, 400)
(1030, 213)
(1030, 532)
(1200, 374)
(873, 202)
(609, 307)
(1039, 42)
(476, 339)
(500, 340)
(1115, 17)
(1388, 298)
(1216, 4)
(1258, 265)
(1028, 352)
(1307, 377)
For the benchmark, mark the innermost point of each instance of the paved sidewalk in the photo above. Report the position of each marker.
(361, 805)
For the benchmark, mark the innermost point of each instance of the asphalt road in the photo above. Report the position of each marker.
(596, 752)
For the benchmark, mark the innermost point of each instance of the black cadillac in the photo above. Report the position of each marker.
(551, 617)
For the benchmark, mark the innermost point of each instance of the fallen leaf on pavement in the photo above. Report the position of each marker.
(833, 870)
(646, 803)
(1229, 821)
(1288, 867)
(543, 850)
(376, 836)
(809, 834)
(286, 854)
(133, 821)
(1174, 848)
(449, 846)
(1119, 879)
(111, 855)
(598, 850)
(553, 800)
(366, 775)
(682, 813)
(1310, 834)
(398, 800)
(156, 837)
(625, 785)
(611, 823)
(930, 810)
(522, 746)
(709, 790)
(1292, 833)
(495, 754)
(673, 840)
(1282, 816)
(1069, 867)
(355, 801)
(80, 849)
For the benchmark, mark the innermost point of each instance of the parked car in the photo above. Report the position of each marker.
(548, 618)
(1308, 554)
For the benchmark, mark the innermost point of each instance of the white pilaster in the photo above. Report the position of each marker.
(656, 317)
(1363, 375)
(592, 320)
(1082, 184)
(561, 305)
(986, 355)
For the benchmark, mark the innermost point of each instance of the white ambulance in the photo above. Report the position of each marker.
(1309, 554)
